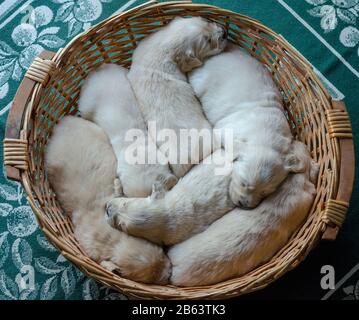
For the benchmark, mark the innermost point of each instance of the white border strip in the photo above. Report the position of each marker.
(336, 94)
(22, 8)
(5, 109)
(333, 90)
(7, 6)
(124, 7)
(320, 38)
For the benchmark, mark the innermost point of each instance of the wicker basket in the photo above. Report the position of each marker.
(50, 90)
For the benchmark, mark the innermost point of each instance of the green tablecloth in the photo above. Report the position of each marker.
(324, 31)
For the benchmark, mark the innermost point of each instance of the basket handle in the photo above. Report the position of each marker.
(346, 177)
(15, 146)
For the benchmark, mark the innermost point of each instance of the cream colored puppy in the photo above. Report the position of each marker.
(107, 99)
(81, 167)
(198, 199)
(244, 239)
(237, 93)
(158, 78)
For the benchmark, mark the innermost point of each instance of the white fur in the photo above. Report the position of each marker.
(238, 93)
(198, 199)
(243, 239)
(108, 100)
(81, 167)
(158, 79)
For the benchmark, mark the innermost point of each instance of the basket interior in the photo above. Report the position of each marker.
(113, 41)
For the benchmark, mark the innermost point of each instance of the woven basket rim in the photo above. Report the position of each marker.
(225, 289)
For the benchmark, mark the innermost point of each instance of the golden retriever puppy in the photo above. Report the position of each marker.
(238, 94)
(166, 100)
(108, 100)
(198, 199)
(81, 167)
(244, 239)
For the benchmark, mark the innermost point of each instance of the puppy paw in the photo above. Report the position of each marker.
(169, 181)
(113, 216)
(158, 191)
(162, 185)
(166, 181)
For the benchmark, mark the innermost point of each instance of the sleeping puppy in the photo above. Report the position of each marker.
(107, 99)
(81, 167)
(237, 93)
(198, 199)
(244, 239)
(166, 100)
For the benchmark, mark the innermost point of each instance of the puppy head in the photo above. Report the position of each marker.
(195, 40)
(259, 172)
(142, 261)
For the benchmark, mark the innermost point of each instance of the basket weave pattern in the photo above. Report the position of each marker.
(53, 85)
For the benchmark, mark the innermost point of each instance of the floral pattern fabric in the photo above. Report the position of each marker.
(331, 12)
(34, 27)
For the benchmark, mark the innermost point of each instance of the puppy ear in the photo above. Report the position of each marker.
(294, 163)
(188, 61)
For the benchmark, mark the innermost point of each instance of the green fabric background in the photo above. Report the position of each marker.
(324, 31)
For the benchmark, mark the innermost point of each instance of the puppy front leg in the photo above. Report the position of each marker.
(114, 208)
